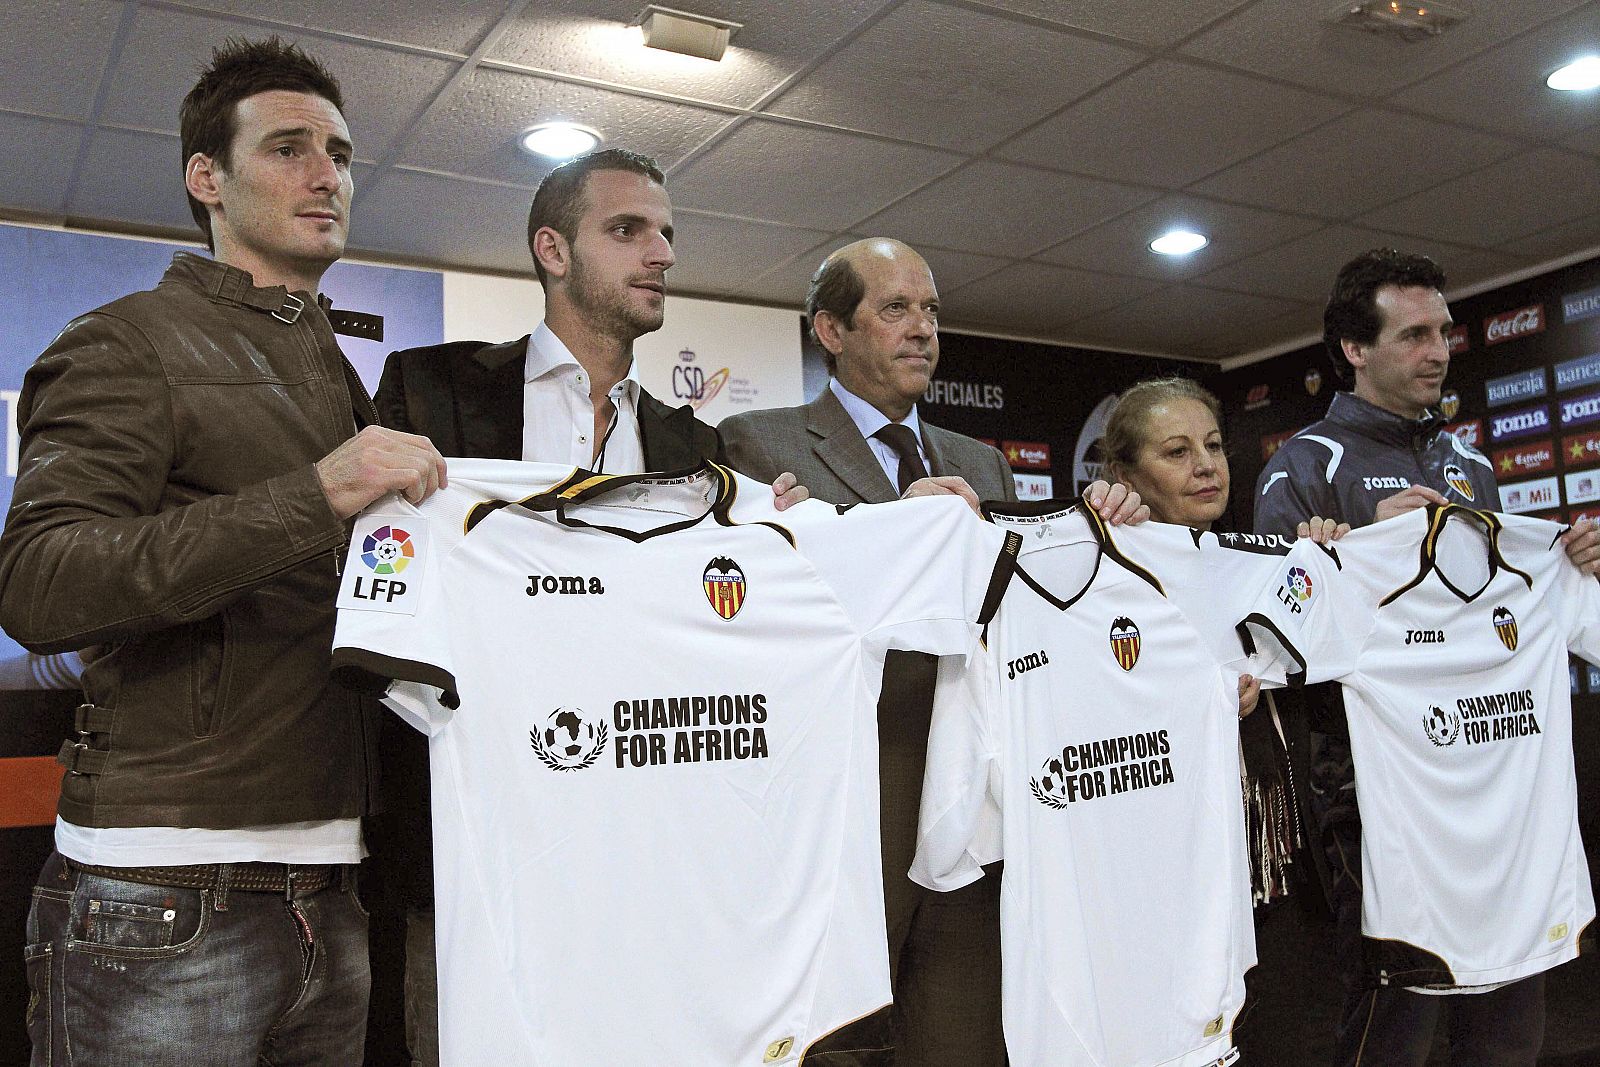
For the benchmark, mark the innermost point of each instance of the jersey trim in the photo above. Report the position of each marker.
(867, 1041)
(371, 672)
(1396, 962)
(1438, 516)
(1097, 526)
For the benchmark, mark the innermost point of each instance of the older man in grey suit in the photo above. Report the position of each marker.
(874, 310)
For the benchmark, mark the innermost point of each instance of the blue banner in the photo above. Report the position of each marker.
(1525, 422)
(1584, 305)
(1572, 373)
(1526, 385)
(1581, 410)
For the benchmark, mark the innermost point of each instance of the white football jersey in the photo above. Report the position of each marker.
(651, 707)
(1449, 630)
(1104, 728)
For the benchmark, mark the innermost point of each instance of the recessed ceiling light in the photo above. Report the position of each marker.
(558, 140)
(685, 32)
(1576, 76)
(1179, 243)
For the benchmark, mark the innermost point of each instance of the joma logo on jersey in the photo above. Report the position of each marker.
(1125, 643)
(1424, 637)
(1457, 479)
(1442, 727)
(725, 586)
(566, 584)
(1505, 628)
(1032, 661)
(1385, 483)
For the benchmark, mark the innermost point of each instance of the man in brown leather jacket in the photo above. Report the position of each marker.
(189, 457)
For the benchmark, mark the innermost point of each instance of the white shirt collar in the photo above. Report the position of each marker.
(868, 419)
(548, 354)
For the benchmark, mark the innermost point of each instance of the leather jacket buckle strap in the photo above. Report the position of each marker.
(356, 324)
(83, 756)
(289, 310)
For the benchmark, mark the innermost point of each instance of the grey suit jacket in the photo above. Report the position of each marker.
(824, 448)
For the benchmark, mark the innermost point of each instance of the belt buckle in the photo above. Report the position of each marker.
(289, 312)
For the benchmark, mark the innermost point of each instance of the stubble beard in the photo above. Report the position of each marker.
(611, 312)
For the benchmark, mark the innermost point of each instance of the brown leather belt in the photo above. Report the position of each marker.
(254, 877)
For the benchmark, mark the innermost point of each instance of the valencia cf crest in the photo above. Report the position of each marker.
(1442, 726)
(725, 586)
(568, 740)
(1457, 479)
(1450, 403)
(1505, 628)
(1125, 643)
(1313, 381)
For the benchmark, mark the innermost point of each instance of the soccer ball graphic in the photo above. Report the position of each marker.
(567, 741)
(386, 551)
(1299, 583)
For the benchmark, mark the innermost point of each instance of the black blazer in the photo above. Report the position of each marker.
(466, 397)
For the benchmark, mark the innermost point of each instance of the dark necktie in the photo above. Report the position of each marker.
(904, 442)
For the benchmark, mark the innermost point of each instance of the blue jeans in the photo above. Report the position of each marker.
(126, 973)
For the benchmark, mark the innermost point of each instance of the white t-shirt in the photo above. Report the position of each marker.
(1449, 630)
(1103, 726)
(651, 704)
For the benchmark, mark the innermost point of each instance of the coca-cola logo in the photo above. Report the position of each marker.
(1470, 431)
(1512, 324)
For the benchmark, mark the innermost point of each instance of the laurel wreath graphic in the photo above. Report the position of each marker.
(1045, 798)
(556, 765)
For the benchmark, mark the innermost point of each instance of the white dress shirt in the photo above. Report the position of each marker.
(558, 417)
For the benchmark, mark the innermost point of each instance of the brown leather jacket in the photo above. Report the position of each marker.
(167, 519)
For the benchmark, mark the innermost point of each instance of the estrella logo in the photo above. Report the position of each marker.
(1505, 628)
(387, 550)
(1125, 643)
(725, 586)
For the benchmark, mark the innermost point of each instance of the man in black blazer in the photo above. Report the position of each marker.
(874, 310)
(600, 230)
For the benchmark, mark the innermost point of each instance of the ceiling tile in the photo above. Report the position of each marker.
(1304, 268)
(1165, 321)
(474, 131)
(1003, 209)
(717, 255)
(861, 176)
(1121, 246)
(951, 76)
(594, 38)
(134, 178)
(1568, 238)
(1037, 297)
(52, 55)
(1504, 88)
(1171, 123)
(1551, 186)
(1585, 141)
(1159, 23)
(36, 155)
(1366, 158)
(1291, 39)
(454, 27)
(383, 90)
(468, 224)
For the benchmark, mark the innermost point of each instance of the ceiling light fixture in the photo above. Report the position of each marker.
(686, 33)
(1577, 76)
(558, 140)
(1410, 21)
(1179, 243)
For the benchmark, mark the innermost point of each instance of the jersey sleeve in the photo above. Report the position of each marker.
(958, 825)
(1308, 619)
(392, 637)
(1580, 595)
(920, 575)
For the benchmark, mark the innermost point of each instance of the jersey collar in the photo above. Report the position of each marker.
(1105, 543)
(582, 486)
(1438, 516)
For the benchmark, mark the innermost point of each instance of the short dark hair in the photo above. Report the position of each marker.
(1352, 311)
(837, 288)
(240, 69)
(559, 201)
